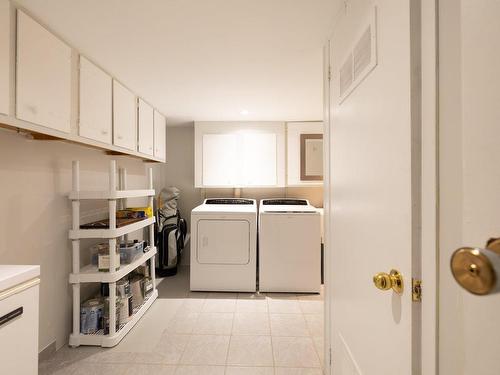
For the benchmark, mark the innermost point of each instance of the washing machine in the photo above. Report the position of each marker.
(289, 246)
(224, 245)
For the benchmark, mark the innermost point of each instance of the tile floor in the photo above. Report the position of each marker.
(193, 333)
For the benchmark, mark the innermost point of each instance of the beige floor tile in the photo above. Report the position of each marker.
(219, 305)
(199, 370)
(280, 304)
(201, 295)
(315, 324)
(310, 297)
(312, 306)
(206, 350)
(191, 305)
(183, 322)
(298, 371)
(142, 369)
(319, 344)
(251, 305)
(237, 370)
(67, 355)
(171, 347)
(151, 358)
(100, 369)
(250, 351)
(254, 296)
(251, 323)
(288, 325)
(222, 295)
(56, 368)
(110, 356)
(214, 324)
(294, 352)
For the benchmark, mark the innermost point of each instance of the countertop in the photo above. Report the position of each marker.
(11, 275)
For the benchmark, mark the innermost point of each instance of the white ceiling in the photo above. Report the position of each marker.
(204, 59)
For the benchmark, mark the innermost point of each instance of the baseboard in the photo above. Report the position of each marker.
(47, 352)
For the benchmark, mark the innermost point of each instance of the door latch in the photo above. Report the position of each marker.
(416, 290)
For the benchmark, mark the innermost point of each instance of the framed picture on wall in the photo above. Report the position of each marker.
(311, 157)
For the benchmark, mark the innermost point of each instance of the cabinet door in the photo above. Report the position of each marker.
(160, 136)
(145, 128)
(19, 336)
(258, 160)
(221, 162)
(43, 76)
(4, 56)
(124, 117)
(95, 102)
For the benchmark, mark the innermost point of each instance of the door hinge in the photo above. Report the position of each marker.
(330, 355)
(416, 290)
(329, 73)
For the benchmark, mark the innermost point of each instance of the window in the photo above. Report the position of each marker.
(239, 155)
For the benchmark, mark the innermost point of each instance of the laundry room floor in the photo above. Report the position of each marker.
(194, 333)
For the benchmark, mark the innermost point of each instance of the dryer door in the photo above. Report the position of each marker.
(223, 242)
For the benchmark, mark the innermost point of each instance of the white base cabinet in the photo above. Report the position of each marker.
(43, 84)
(4, 56)
(19, 327)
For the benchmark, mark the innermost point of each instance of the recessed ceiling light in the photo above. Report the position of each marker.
(244, 112)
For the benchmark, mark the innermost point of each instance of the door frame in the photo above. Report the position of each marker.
(428, 309)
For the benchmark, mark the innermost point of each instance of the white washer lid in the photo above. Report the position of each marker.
(301, 206)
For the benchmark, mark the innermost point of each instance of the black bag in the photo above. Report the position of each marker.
(170, 243)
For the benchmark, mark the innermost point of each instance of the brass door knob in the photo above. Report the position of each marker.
(392, 280)
(477, 270)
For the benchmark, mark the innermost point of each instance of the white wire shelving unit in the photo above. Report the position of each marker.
(90, 274)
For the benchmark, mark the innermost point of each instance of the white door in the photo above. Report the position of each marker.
(146, 128)
(4, 56)
(372, 217)
(96, 96)
(43, 76)
(469, 117)
(124, 117)
(160, 136)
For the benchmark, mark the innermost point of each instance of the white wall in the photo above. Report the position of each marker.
(36, 215)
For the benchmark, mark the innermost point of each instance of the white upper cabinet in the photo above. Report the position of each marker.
(96, 105)
(4, 56)
(124, 117)
(220, 166)
(160, 136)
(259, 159)
(239, 159)
(146, 132)
(43, 85)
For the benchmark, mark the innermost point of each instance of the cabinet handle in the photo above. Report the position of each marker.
(10, 316)
(119, 137)
(104, 132)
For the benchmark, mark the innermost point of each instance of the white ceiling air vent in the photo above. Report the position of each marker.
(361, 59)
(345, 76)
(362, 53)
